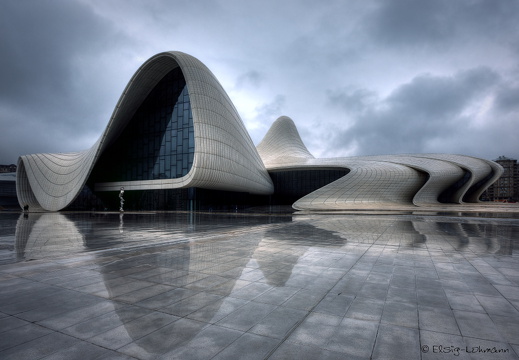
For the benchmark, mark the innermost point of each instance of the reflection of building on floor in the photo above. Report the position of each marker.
(43, 235)
(445, 235)
(369, 230)
(188, 269)
(506, 188)
(211, 276)
(481, 238)
(500, 235)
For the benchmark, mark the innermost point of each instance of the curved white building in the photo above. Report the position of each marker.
(174, 127)
(175, 141)
(375, 182)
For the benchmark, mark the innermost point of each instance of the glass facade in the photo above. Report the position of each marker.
(158, 142)
(291, 185)
(187, 199)
(447, 194)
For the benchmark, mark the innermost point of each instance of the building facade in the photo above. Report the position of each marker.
(506, 188)
(176, 142)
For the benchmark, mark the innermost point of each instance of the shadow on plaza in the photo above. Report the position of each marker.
(246, 245)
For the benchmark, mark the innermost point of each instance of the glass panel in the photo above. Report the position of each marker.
(159, 135)
(292, 185)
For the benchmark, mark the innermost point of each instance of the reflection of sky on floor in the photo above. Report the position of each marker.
(216, 286)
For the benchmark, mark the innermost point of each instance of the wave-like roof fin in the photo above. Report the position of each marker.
(282, 143)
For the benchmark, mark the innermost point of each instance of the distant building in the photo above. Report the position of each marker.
(8, 199)
(506, 188)
(8, 168)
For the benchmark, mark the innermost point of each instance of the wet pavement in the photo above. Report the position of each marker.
(245, 286)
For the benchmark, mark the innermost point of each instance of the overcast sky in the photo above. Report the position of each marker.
(358, 77)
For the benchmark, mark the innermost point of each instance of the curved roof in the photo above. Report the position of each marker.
(379, 181)
(368, 184)
(225, 157)
(440, 175)
(282, 144)
(477, 169)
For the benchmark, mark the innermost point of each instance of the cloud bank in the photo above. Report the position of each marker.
(357, 77)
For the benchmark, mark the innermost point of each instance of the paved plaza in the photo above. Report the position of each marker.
(393, 285)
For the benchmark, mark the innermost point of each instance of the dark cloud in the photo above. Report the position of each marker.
(414, 117)
(441, 22)
(411, 22)
(45, 94)
(507, 98)
(334, 35)
(353, 101)
(431, 97)
(40, 41)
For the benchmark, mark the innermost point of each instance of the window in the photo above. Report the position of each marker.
(159, 135)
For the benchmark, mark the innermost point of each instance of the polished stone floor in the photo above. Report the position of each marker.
(237, 286)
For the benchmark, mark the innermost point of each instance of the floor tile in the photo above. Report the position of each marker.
(246, 316)
(249, 346)
(279, 322)
(477, 325)
(438, 320)
(395, 342)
